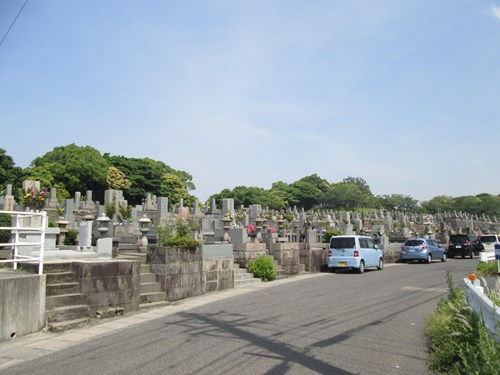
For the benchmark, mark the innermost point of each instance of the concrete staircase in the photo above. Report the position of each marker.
(65, 306)
(151, 292)
(242, 277)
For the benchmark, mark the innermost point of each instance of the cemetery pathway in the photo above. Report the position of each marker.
(322, 323)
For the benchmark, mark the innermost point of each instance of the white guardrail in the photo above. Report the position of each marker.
(481, 304)
(25, 222)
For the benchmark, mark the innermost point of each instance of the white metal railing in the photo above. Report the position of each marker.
(481, 304)
(18, 228)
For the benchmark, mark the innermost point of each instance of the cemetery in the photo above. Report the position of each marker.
(120, 260)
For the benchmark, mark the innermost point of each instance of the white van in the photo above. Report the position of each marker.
(357, 252)
(489, 241)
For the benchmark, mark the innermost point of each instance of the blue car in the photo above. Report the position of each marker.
(422, 250)
(354, 252)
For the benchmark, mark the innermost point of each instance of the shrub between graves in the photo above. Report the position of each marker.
(263, 268)
(459, 341)
(5, 221)
(70, 238)
(181, 241)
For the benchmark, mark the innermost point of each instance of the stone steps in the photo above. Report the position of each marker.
(151, 293)
(66, 307)
(242, 277)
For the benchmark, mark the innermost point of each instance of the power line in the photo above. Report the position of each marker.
(13, 22)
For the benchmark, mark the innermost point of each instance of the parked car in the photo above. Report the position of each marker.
(354, 252)
(464, 245)
(422, 250)
(489, 241)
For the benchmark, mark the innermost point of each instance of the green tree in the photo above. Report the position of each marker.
(396, 202)
(117, 180)
(146, 176)
(347, 196)
(439, 204)
(9, 173)
(76, 168)
(360, 183)
(175, 189)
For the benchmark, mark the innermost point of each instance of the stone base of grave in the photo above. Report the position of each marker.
(246, 252)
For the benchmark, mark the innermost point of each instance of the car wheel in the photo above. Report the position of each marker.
(380, 264)
(472, 255)
(361, 268)
(443, 259)
(463, 256)
(429, 258)
(450, 255)
(332, 270)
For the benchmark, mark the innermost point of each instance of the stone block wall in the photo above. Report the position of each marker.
(109, 284)
(219, 274)
(288, 256)
(245, 253)
(313, 256)
(179, 270)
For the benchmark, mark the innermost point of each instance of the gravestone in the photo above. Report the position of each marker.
(227, 206)
(29, 184)
(161, 207)
(52, 201)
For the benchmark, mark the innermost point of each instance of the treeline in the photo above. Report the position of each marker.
(353, 193)
(75, 168)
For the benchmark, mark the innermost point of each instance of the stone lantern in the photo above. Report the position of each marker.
(103, 224)
(62, 223)
(226, 224)
(258, 229)
(144, 228)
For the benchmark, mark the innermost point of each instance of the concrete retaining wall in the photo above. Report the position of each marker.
(22, 303)
(109, 284)
(179, 270)
(218, 264)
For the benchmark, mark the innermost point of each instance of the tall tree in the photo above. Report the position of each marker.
(9, 173)
(147, 176)
(77, 168)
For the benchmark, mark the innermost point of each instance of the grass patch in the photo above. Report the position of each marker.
(459, 342)
(487, 268)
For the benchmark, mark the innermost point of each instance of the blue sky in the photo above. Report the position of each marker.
(405, 94)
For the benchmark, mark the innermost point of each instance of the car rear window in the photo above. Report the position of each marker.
(458, 239)
(488, 239)
(414, 243)
(342, 243)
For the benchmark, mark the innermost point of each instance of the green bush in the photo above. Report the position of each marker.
(263, 267)
(459, 341)
(181, 241)
(70, 238)
(329, 233)
(5, 221)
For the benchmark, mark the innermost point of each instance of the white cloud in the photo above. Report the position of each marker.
(496, 11)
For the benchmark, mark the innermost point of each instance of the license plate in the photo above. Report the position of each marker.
(411, 250)
(342, 264)
(458, 246)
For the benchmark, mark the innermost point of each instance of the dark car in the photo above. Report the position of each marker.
(464, 245)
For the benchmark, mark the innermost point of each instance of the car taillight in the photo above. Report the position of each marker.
(467, 243)
(424, 248)
(402, 248)
(450, 243)
(356, 253)
(329, 253)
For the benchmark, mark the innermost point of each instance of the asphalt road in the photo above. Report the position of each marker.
(341, 323)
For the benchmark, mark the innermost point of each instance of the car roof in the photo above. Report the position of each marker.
(351, 236)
